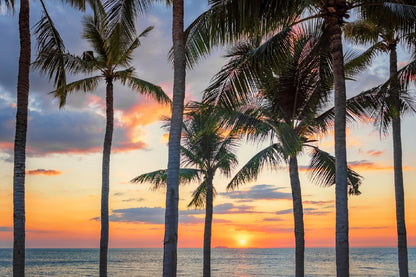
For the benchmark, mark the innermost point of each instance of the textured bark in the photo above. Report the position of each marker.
(398, 174)
(208, 226)
(20, 142)
(341, 196)
(298, 216)
(170, 242)
(106, 178)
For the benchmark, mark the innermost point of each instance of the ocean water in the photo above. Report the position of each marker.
(225, 262)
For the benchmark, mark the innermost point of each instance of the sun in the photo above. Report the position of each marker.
(242, 241)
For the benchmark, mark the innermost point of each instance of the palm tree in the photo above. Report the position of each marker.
(170, 241)
(19, 174)
(386, 38)
(112, 49)
(207, 147)
(283, 101)
(229, 20)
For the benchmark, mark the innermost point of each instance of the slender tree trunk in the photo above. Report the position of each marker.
(208, 226)
(20, 142)
(106, 178)
(170, 242)
(398, 173)
(298, 216)
(334, 22)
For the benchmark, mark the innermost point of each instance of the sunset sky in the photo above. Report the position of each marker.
(64, 149)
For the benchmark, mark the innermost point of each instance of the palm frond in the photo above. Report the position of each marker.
(356, 63)
(158, 178)
(323, 171)
(199, 196)
(93, 32)
(9, 4)
(272, 157)
(51, 49)
(84, 85)
(142, 86)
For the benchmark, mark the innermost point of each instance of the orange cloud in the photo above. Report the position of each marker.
(165, 138)
(96, 104)
(4, 145)
(375, 153)
(47, 172)
(139, 115)
(366, 165)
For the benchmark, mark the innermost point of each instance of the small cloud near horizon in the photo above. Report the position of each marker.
(47, 172)
(259, 192)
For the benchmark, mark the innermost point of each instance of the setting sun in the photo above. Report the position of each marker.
(242, 241)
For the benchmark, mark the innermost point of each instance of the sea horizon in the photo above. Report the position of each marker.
(225, 262)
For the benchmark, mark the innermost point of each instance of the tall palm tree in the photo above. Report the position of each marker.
(386, 38)
(19, 174)
(229, 20)
(170, 241)
(111, 56)
(207, 147)
(283, 101)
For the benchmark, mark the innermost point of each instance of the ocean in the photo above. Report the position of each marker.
(225, 262)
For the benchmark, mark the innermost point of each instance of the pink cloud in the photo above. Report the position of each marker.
(47, 172)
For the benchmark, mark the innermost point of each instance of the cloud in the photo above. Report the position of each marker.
(133, 200)
(229, 208)
(306, 211)
(48, 172)
(141, 214)
(370, 166)
(320, 203)
(259, 192)
(6, 229)
(369, 227)
(375, 153)
(286, 211)
(272, 219)
(55, 131)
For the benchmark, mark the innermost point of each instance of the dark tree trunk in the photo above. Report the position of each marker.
(170, 242)
(106, 178)
(298, 216)
(333, 22)
(208, 226)
(20, 142)
(398, 172)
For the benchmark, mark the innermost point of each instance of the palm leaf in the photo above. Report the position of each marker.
(199, 196)
(272, 156)
(323, 171)
(142, 86)
(51, 49)
(158, 178)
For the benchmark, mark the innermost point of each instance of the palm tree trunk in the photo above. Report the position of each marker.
(106, 178)
(334, 21)
(208, 226)
(170, 242)
(20, 142)
(298, 216)
(398, 173)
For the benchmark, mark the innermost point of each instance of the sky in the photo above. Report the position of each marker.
(64, 149)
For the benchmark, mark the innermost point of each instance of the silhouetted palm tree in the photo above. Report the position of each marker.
(385, 38)
(230, 20)
(111, 56)
(207, 147)
(19, 174)
(283, 101)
